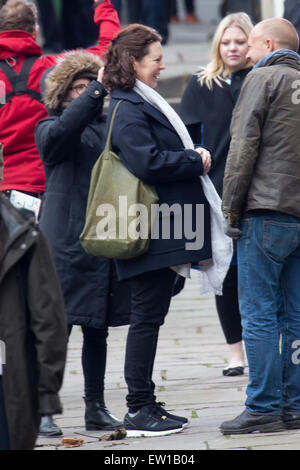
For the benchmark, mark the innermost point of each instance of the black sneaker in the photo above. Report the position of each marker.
(149, 421)
(184, 421)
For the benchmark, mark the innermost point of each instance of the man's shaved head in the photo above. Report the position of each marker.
(280, 30)
(271, 35)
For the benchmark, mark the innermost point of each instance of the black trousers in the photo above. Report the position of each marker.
(78, 27)
(51, 26)
(188, 4)
(228, 308)
(4, 436)
(93, 359)
(151, 294)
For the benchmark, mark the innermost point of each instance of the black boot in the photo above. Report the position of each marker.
(98, 417)
(48, 428)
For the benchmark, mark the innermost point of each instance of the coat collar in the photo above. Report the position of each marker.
(18, 43)
(278, 57)
(133, 97)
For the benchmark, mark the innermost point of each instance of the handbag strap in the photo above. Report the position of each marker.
(108, 140)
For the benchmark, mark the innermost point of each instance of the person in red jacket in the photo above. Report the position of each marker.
(21, 69)
(19, 113)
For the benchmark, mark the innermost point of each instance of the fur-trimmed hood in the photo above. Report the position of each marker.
(65, 72)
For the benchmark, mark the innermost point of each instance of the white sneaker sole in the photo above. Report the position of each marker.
(139, 433)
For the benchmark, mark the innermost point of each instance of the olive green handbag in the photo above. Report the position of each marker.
(119, 206)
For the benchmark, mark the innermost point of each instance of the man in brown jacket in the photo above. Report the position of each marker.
(261, 202)
(33, 330)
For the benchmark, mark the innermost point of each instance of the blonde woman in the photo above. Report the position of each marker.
(206, 110)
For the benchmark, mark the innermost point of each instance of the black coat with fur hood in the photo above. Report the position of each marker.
(70, 141)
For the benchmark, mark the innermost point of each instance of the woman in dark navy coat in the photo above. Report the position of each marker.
(69, 142)
(151, 149)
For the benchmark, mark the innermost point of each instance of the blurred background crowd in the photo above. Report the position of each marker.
(68, 24)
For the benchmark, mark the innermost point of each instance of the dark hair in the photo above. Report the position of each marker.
(132, 42)
(18, 15)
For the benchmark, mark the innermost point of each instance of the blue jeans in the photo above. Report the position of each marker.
(269, 300)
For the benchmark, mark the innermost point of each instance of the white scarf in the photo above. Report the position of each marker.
(213, 274)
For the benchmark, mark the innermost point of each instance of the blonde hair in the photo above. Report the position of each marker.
(216, 71)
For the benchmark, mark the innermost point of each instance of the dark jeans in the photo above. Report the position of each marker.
(4, 436)
(75, 28)
(93, 359)
(268, 270)
(150, 295)
(228, 308)
(118, 6)
(78, 27)
(156, 14)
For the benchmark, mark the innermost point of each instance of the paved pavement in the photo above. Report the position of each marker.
(191, 351)
(188, 375)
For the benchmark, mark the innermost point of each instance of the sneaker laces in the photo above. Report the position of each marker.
(158, 410)
(160, 406)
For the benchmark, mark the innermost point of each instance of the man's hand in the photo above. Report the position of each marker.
(232, 231)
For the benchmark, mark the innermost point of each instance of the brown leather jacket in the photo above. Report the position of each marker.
(263, 163)
(33, 326)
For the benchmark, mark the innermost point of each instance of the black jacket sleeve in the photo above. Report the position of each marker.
(56, 136)
(140, 153)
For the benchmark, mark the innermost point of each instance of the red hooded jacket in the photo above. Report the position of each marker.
(23, 168)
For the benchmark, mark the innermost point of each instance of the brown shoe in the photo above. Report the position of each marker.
(174, 19)
(190, 18)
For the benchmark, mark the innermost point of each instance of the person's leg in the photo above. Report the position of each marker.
(93, 359)
(50, 26)
(117, 4)
(269, 262)
(259, 278)
(190, 16)
(151, 296)
(4, 434)
(189, 6)
(265, 245)
(89, 30)
(291, 335)
(47, 426)
(230, 320)
(78, 27)
(174, 9)
(134, 11)
(94, 352)
(157, 16)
